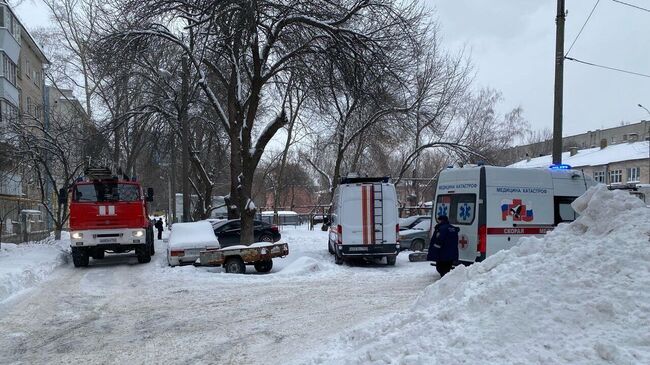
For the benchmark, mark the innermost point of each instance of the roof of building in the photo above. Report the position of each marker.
(594, 156)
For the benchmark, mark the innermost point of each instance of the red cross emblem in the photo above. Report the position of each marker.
(463, 241)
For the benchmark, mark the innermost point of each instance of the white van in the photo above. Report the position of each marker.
(364, 220)
(495, 206)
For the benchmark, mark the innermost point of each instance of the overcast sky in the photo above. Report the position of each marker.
(512, 45)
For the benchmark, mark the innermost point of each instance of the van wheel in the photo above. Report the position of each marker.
(263, 266)
(338, 258)
(417, 245)
(235, 265)
(390, 260)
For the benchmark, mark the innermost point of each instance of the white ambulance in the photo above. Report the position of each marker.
(495, 206)
(364, 220)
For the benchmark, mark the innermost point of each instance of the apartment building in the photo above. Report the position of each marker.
(22, 91)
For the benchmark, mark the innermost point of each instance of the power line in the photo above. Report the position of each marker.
(631, 5)
(583, 27)
(607, 67)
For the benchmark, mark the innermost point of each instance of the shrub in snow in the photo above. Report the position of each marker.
(579, 295)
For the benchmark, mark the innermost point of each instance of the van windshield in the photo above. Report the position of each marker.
(105, 192)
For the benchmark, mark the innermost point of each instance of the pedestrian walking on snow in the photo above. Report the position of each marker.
(443, 248)
(159, 227)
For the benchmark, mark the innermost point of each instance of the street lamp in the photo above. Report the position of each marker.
(644, 108)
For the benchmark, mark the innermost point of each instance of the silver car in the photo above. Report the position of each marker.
(416, 238)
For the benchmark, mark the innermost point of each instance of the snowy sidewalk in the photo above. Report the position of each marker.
(25, 265)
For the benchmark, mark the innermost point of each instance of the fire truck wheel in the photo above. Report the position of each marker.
(235, 265)
(79, 257)
(152, 249)
(390, 260)
(143, 254)
(98, 254)
(263, 266)
(417, 245)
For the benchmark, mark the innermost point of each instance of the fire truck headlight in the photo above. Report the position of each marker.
(138, 233)
(77, 235)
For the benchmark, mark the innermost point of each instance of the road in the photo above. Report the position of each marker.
(118, 311)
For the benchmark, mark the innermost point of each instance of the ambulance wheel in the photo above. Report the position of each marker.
(263, 266)
(417, 245)
(235, 265)
(390, 260)
(98, 254)
(143, 253)
(79, 257)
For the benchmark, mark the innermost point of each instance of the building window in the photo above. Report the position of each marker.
(615, 176)
(2, 16)
(633, 174)
(599, 176)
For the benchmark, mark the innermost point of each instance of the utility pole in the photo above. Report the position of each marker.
(559, 82)
(185, 130)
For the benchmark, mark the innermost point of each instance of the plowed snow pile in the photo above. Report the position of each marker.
(580, 295)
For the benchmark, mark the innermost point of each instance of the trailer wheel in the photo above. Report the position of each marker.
(263, 266)
(390, 260)
(417, 245)
(79, 257)
(143, 253)
(235, 265)
(98, 254)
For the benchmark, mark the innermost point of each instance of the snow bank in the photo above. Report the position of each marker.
(23, 266)
(302, 266)
(577, 296)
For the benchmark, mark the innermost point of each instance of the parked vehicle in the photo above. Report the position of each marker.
(285, 217)
(416, 238)
(364, 220)
(229, 232)
(495, 206)
(641, 191)
(187, 240)
(412, 221)
(108, 213)
(235, 258)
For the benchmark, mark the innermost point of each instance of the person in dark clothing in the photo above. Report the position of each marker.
(443, 248)
(159, 227)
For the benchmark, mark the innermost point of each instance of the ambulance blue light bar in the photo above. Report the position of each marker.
(560, 166)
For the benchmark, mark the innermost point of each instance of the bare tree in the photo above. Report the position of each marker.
(244, 46)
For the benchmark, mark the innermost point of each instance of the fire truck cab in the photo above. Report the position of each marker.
(109, 214)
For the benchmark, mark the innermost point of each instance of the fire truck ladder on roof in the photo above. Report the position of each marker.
(378, 212)
(98, 173)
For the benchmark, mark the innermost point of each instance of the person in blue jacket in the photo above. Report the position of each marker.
(443, 248)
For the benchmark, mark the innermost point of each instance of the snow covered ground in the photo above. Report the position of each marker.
(578, 296)
(23, 266)
(119, 311)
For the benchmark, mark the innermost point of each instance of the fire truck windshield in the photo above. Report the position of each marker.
(106, 191)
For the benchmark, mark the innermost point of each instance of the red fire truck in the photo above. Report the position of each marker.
(108, 213)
